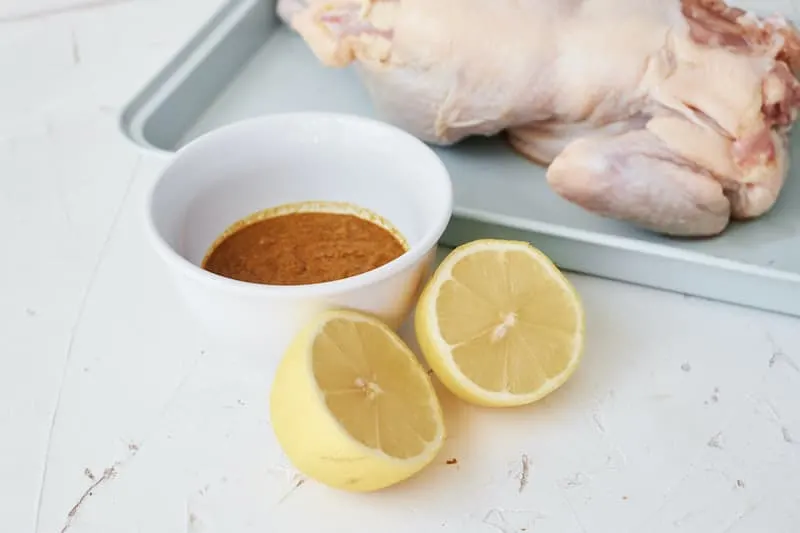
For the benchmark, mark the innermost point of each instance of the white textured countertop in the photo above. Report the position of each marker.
(119, 416)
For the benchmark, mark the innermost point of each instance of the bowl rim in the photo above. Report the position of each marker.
(416, 251)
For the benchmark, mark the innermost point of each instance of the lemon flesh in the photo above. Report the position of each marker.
(352, 407)
(500, 324)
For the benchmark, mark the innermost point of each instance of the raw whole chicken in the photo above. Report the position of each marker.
(669, 114)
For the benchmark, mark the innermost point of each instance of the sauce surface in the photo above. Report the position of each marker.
(303, 248)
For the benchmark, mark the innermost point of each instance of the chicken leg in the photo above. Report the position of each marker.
(636, 177)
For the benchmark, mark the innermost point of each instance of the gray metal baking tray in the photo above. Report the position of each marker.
(244, 63)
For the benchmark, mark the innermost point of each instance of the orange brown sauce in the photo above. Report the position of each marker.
(303, 248)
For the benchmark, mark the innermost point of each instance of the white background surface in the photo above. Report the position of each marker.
(685, 415)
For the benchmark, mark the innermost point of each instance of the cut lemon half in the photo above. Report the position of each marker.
(352, 407)
(500, 324)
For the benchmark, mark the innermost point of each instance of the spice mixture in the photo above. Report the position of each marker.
(303, 248)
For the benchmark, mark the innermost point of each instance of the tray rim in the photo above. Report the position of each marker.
(147, 101)
(627, 244)
(181, 63)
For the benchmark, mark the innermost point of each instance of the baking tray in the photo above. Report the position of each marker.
(245, 63)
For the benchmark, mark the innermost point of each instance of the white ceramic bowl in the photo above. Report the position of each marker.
(260, 163)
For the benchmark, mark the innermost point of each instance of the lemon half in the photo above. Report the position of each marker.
(352, 407)
(500, 324)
